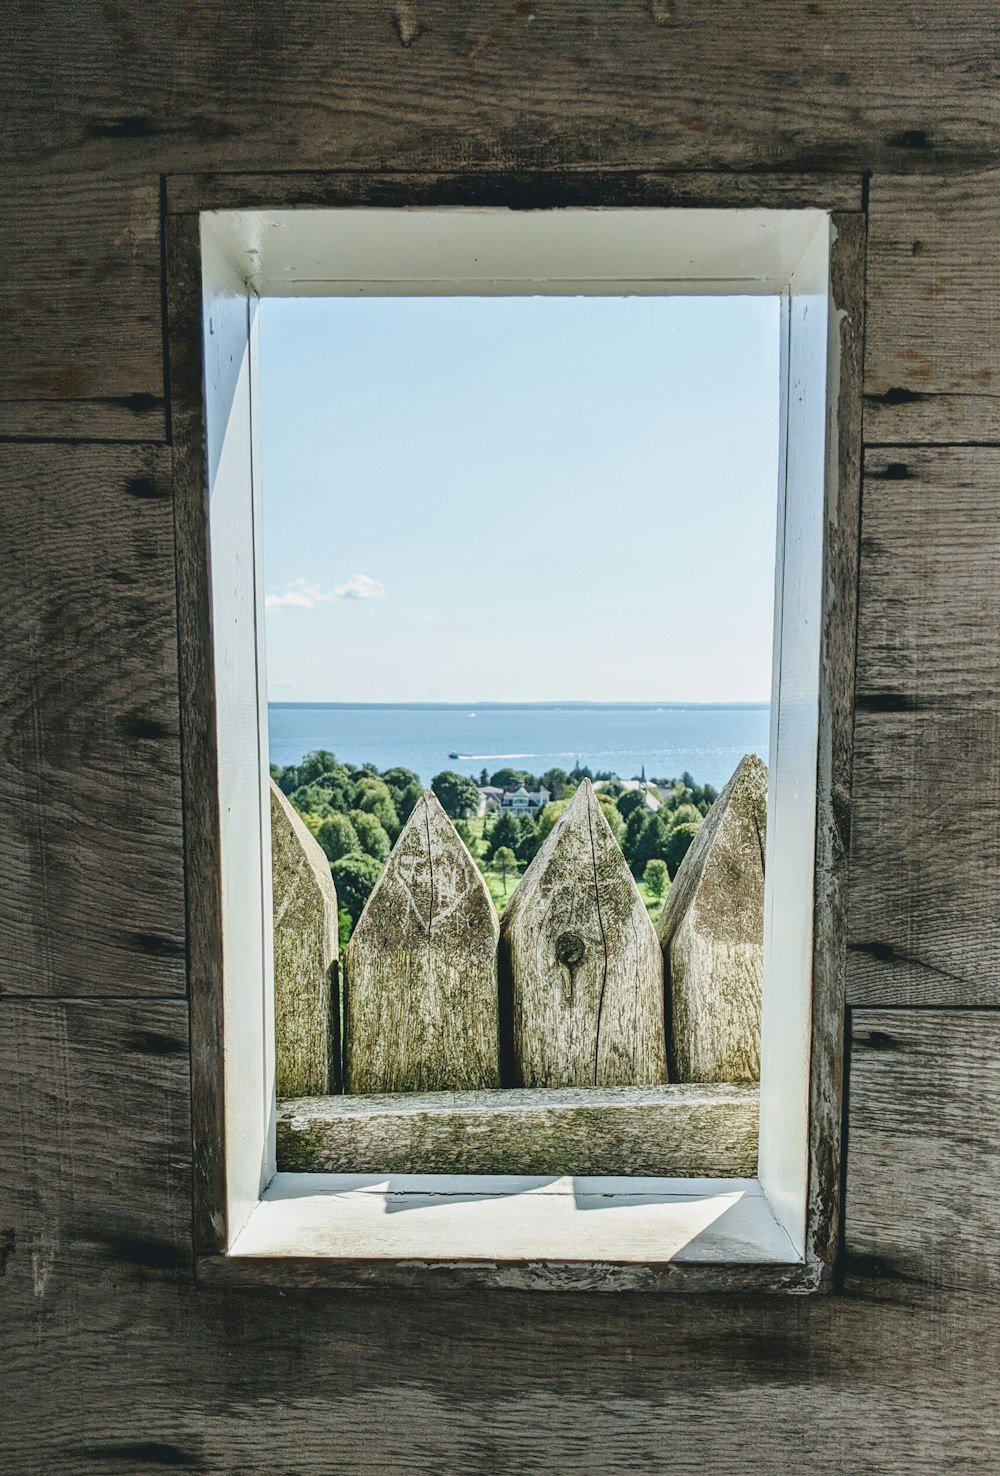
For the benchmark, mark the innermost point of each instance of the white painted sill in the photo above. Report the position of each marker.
(524, 1232)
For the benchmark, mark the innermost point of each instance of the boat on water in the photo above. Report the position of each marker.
(455, 755)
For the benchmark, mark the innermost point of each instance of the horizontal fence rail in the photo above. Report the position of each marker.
(574, 999)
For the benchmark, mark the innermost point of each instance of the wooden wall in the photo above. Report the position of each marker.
(111, 1360)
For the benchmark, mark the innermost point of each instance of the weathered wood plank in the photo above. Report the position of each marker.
(306, 947)
(829, 88)
(924, 923)
(95, 1123)
(90, 803)
(420, 999)
(711, 931)
(933, 309)
(134, 1379)
(80, 306)
(672, 1130)
(923, 1185)
(492, 185)
(585, 970)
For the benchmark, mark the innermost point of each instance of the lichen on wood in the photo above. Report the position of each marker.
(712, 933)
(421, 1008)
(584, 971)
(306, 1007)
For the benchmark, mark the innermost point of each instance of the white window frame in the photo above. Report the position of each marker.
(255, 1222)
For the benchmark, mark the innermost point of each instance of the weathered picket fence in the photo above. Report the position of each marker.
(540, 1043)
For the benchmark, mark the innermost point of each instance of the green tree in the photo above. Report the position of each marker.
(631, 799)
(320, 761)
(506, 832)
(512, 779)
(372, 795)
(685, 814)
(465, 835)
(635, 825)
(354, 877)
(405, 788)
(528, 840)
(611, 815)
(505, 862)
(309, 799)
(458, 794)
(548, 817)
(373, 839)
(556, 781)
(678, 844)
(338, 837)
(655, 876)
(484, 778)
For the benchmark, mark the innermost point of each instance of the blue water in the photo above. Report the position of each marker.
(706, 741)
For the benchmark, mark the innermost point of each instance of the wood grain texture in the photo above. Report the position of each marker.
(492, 186)
(80, 301)
(835, 747)
(420, 1000)
(497, 83)
(306, 947)
(925, 872)
(933, 305)
(90, 869)
(711, 930)
(686, 1131)
(95, 1121)
(924, 1089)
(584, 970)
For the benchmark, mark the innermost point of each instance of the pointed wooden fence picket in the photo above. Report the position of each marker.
(553, 1057)
(584, 967)
(712, 933)
(421, 1002)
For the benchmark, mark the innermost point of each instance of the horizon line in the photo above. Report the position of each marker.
(567, 702)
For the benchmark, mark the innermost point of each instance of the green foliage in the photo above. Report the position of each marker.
(464, 831)
(629, 801)
(611, 815)
(373, 839)
(679, 843)
(505, 862)
(528, 840)
(372, 796)
(551, 813)
(506, 832)
(354, 877)
(309, 799)
(405, 788)
(345, 926)
(513, 779)
(556, 781)
(338, 837)
(458, 794)
(686, 814)
(655, 876)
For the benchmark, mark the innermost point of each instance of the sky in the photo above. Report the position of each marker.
(519, 499)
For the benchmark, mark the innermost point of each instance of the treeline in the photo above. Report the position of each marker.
(644, 834)
(357, 813)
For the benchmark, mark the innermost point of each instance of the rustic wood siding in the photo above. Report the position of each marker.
(113, 1358)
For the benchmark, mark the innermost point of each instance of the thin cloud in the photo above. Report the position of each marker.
(301, 595)
(360, 587)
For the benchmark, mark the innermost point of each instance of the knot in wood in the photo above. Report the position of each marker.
(570, 949)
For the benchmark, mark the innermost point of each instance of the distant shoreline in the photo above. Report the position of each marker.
(530, 706)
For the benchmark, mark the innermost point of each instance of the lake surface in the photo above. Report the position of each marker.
(706, 741)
